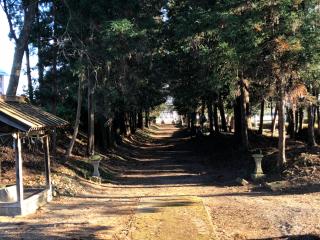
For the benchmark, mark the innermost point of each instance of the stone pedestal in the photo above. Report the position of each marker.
(258, 173)
(95, 162)
(95, 165)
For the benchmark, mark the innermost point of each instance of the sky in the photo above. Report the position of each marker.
(7, 52)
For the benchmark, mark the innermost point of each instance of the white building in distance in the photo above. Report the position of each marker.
(169, 115)
(3, 82)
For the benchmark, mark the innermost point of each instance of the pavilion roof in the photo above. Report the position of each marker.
(18, 113)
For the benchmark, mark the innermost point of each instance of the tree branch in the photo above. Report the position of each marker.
(5, 9)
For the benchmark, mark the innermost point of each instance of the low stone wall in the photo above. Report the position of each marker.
(30, 204)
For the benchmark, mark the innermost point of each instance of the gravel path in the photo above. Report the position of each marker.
(166, 168)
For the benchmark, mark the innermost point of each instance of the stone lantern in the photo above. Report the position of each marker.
(258, 173)
(95, 162)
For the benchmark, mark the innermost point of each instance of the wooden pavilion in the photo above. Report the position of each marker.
(20, 119)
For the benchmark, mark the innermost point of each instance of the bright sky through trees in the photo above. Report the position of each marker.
(7, 51)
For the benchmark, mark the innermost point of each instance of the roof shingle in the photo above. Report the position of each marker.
(20, 114)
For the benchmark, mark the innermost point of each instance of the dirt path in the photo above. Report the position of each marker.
(166, 169)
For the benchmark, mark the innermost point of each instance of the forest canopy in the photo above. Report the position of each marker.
(105, 65)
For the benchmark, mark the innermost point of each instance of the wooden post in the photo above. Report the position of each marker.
(18, 158)
(47, 162)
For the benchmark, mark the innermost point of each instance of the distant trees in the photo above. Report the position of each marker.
(114, 61)
(235, 49)
(108, 50)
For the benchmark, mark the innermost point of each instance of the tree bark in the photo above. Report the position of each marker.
(273, 124)
(223, 115)
(54, 83)
(30, 86)
(140, 120)
(296, 123)
(246, 99)
(261, 117)
(216, 119)
(318, 120)
(248, 116)
(311, 137)
(21, 44)
(121, 120)
(281, 125)
(189, 120)
(193, 123)
(244, 120)
(202, 116)
(301, 117)
(210, 116)
(77, 122)
(102, 135)
(90, 147)
(40, 54)
(314, 116)
(146, 123)
(127, 117)
(132, 122)
(110, 133)
(237, 118)
(291, 123)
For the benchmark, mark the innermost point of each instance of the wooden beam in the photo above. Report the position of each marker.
(14, 124)
(19, 176)
(47, 162)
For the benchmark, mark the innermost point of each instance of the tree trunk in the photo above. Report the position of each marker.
(260, 131)
(291, 123)
(314, 116)
(318, 120)
(244, 120)
(21, 45)
(90, 147)
(237, 119)
(311, 137)
(102, 135)
(110, 133)
(127, 117)
(30, 87)
(301, 117)
(132, 122)
(77, 122)
(281, 125)
(193, 123)
(202, 116)
(54, 83)
(210, 116)
(216, 119)
(40, 54)
(140, 120)
(189, 120)
(296, 123)
(248, 116)
(146, 123)
(122, 123)
(223, 115)
(273, 124)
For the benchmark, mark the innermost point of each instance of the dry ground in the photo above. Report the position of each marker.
(165, 168)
